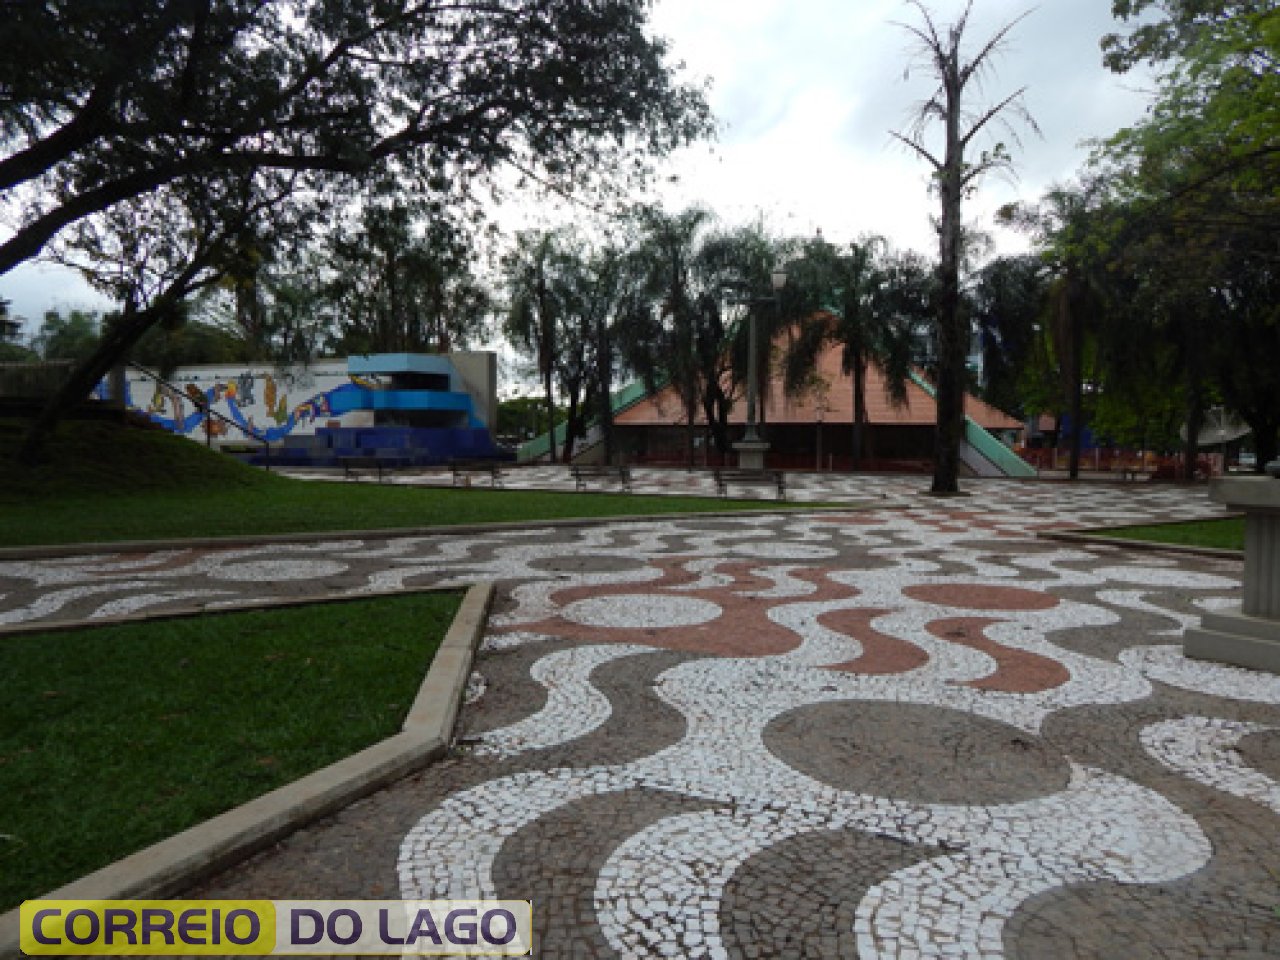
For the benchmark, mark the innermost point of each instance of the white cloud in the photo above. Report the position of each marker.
(809, 90)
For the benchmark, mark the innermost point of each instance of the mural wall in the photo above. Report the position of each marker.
(266, 402)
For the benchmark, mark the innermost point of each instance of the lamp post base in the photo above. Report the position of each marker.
(751, 454)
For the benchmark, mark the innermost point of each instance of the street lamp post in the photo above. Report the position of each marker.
(751, 448)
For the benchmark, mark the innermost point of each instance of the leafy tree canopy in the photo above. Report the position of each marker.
(1168, 30)
(172, 144)
(105, 101)
(67, 336)
(1213, 134)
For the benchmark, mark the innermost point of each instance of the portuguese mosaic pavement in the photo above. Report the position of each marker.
(910, 731)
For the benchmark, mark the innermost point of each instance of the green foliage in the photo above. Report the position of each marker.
(67, 336)
(403, 280)
(15, 353)
(696, 290)
(1197, 201)
(164, 149)
(1007, 298)
(1143, 414)
(1165, 31)
(163, 351)
(536, 291)
(102, 754)
(102, 102)
(524, 418)
(865, 298)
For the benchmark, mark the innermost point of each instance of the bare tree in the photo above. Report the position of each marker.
(954, 177)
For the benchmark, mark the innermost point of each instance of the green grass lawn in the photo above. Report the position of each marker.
(103, 483)
(1225, 534)
(112, 738)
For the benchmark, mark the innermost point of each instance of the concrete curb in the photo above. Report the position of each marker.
(1098, 537)
(99, 548)
(171, 865)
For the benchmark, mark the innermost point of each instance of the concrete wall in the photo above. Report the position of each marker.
(478, 371)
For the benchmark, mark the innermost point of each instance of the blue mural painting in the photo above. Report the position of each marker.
(422, 425)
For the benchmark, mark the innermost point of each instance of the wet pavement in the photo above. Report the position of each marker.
(910, 731)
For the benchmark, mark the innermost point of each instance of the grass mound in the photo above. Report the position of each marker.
(105, 482)
(103, 458)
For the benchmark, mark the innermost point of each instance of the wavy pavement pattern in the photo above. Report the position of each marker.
(983, 650)
(950, 610)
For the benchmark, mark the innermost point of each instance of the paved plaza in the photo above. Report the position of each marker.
(913, 730)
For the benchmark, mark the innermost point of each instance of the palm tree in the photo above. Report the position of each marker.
(670, 327)
(867, 305)
(536, 297)
(1066, 225)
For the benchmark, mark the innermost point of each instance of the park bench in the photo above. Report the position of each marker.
(367, 461)
(1132, 472)
(582, 475)
(464, 470)
(751, 478)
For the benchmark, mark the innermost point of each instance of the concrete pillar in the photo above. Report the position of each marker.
(1250, 636)
(1262, 563)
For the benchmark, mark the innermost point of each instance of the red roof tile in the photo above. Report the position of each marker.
(664, 408)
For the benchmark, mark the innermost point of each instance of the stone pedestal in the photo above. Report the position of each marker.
(751, 454)
(1250, 636)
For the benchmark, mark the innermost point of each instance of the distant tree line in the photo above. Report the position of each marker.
(253, 184)
(1155, 289)
(166, 149)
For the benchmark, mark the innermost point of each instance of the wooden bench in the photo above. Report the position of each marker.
(583, 474)
(464, 470)
(384, 465)
(751, 478)
(1134, 473)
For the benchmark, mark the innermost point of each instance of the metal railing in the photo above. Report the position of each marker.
(204, 408)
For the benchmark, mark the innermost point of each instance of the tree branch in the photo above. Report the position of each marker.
(937, 164)
(990, 114)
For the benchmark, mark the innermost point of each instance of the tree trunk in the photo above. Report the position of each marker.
(604, 389)
(549, 395)
(952, 338)
(859, 408)
(721, 429)
(1264, 442)
(573, 427)
(1076, 323)
(1195, 393)
(691, 416)
(117, 340)
(950, 399)
(715, 408)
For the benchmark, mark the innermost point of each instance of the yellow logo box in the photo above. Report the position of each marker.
(88, 928)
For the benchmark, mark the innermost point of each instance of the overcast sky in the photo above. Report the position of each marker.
(807, 92)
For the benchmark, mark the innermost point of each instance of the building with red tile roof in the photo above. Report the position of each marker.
(811, 429)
